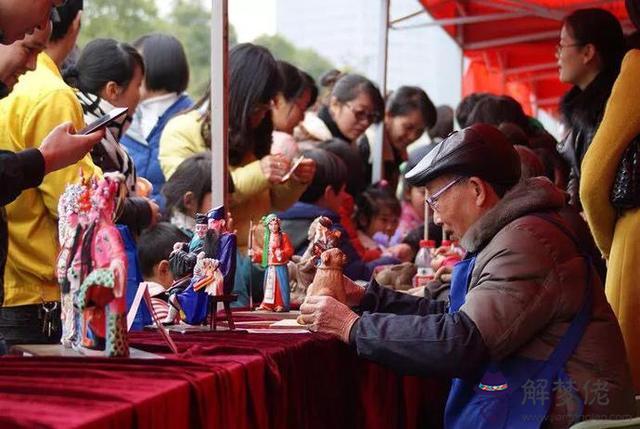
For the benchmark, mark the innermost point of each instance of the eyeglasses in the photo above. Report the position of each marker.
(560, 46)
(362, 115)
(432, 200)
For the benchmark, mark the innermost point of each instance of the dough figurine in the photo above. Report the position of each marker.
(277, 251)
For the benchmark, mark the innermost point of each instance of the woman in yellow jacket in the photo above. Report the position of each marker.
(616, 233)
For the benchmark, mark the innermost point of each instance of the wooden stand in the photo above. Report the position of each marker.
(226, 300)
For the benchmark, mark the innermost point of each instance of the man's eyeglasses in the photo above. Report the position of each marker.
(362, 115)
(432, 200)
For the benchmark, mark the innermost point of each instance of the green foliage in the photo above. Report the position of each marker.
(306, 59)
(123, 20)
(126, 20)
(190, 22)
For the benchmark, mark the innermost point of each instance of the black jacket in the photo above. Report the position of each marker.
(582, 112)
(18, 171)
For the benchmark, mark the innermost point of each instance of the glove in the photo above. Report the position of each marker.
(327, 315)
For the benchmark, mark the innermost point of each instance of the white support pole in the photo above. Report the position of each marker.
(383, 44)
(219, 95)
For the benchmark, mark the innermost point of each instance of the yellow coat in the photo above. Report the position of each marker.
(180, 139)
(38, 103)
(254, 195)
(617, 236)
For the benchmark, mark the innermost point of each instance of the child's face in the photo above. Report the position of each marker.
(385, 221)
(416, 198)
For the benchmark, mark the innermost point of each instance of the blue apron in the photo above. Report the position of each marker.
(516, 392)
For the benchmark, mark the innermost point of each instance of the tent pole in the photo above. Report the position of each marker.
(219, 105)
(383, 45)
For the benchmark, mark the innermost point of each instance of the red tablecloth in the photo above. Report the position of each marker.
(218, 380)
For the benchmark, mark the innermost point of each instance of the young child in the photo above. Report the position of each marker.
(154, 246)
(413, 200)
(188, 191)
(377, 217)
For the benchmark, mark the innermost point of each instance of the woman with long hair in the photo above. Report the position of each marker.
(589, 54)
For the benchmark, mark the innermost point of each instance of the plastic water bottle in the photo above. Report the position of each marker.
(423, 263)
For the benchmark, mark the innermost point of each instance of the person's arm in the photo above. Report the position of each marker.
(445, 345)
(27, 168)
(180, 139)
(620, 125)
(19, 171)
(56, 108)
(248, 181)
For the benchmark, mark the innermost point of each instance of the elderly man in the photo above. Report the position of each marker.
(527, 319)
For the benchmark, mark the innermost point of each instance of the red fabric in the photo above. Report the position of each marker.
(219, 380)
(533, 85)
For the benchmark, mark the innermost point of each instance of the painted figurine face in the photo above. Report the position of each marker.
(274, 226)
(201, 230)
(217, 225)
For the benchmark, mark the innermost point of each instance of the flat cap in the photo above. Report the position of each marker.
(480, 150)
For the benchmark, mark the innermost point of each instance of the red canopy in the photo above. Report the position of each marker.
(511, 44)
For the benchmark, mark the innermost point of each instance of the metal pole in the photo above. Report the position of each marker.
(219, 108)
(383, 44)
(219, 104)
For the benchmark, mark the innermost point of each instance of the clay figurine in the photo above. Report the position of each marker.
(277, 251)
(100, 299)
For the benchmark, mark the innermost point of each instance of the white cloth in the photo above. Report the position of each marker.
(149, 111)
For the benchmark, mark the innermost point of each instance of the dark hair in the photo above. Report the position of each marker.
(103, 61)
(293, 84)
(444, 123)
(351, 85)
(407, 99)
(311, 86)
(253, 80)
(156, 243)
(327, 80)
(496, 109)
(514, 134)
(192, 175)
(67, 13)
(166, 66)
(356, 180)
(330, 171)
(465, 107)
(601, 29)
(369, 203)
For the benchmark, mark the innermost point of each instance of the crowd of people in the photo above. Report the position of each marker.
(549, 273)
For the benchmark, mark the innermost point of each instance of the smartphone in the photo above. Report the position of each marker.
(105, 121)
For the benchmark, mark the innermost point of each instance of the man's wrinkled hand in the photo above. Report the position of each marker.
(327, 315)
